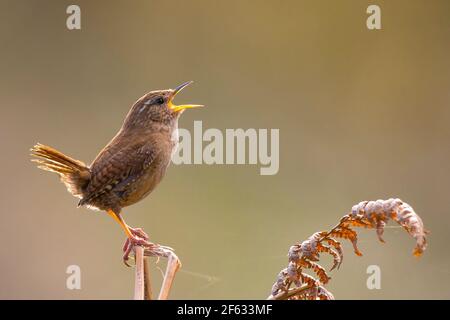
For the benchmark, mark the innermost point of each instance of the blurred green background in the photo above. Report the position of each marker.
(362, 115)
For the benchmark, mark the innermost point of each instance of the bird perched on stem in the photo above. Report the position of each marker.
(130, 166)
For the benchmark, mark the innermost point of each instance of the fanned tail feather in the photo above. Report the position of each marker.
(73, 173)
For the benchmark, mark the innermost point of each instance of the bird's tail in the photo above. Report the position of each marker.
(73, 173)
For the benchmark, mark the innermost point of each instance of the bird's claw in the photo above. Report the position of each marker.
(140, 238)
(139, 232)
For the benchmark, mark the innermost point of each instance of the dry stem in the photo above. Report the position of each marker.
(147, 281)
(142, 288)
(291, 292)
(139, 282)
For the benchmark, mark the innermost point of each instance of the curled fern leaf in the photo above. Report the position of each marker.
(293, 284)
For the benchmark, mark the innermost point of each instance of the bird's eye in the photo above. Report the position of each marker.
(160, 100)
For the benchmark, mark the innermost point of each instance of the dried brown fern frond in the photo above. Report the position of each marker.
(293, 284)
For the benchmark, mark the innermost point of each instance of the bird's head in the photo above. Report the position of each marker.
(158, 107)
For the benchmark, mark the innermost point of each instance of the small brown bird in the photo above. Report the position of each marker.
(130, 166)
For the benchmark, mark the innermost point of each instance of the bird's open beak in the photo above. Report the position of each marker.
(179, 108)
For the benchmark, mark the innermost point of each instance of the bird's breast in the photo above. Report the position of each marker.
(174, 141)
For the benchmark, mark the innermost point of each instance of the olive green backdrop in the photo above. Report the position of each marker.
(362, 115)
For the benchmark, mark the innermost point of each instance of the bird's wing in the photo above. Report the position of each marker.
(118, 166)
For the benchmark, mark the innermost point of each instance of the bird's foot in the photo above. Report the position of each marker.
(139, 232)
(139, 238)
